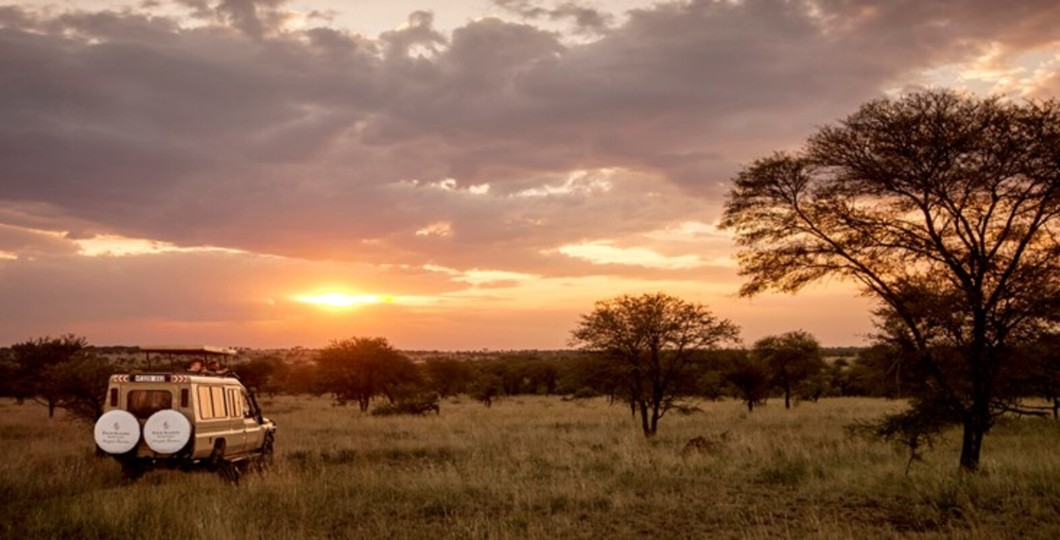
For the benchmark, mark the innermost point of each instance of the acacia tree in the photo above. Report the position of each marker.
(749, 378)
(792, 358)
(1038, 377)
(358, 369)
(941, 206)
(40, 365)
(82, 384)
(651, 339)
(447, 376)
(262, 373)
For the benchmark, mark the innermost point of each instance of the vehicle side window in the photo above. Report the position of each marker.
(205, 403)
(248, 411)
(144, 403)
(237, 403)
(218, 395)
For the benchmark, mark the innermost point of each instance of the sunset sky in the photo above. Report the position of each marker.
(448, 175)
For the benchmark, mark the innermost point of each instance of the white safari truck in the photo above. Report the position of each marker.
(198, 416)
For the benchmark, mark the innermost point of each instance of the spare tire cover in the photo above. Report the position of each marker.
(117, 432)
(167, 431)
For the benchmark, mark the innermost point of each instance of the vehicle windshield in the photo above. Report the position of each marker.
(144, 403)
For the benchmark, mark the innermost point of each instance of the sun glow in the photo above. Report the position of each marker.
(342, 300)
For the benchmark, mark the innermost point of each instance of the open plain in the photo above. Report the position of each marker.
(542, 467)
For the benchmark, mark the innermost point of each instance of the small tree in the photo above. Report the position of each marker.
(792, 358)
(487, 388)
(82, 383)
(41, 367)
(650, 340)
(749, 378)
(1038, 377)
(10, 376)
(448, 376)
(262, 373)
(590, 374)
(358, 369)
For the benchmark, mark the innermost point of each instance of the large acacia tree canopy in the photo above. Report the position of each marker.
(942, 206)
(637, 327)
(934, 193)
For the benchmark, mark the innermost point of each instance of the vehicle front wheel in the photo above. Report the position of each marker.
(230, 471)
(265, 460)
(223, 467)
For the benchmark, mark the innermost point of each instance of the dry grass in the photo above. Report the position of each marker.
(542, 468)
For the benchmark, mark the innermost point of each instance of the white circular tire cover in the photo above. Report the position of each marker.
(167, 431)
(117, 432)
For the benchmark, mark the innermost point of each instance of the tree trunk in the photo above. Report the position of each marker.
(787, 396)
(655, 415)
(647, 425)
(975, 428)
(977, 418)
(51, 408)
(750, 405)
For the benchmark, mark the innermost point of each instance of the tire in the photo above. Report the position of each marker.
(117, 432)
(268, 447)
(230, 471)
(266, 458)
(167, 431)
(131, 470)
(216, 458)
(227, 470)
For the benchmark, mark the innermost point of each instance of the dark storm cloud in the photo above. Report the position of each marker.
(243, 133)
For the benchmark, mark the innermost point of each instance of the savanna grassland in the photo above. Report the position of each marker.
(540, 467)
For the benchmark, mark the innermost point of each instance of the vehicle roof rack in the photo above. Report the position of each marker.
(198, 352)
(205, 350)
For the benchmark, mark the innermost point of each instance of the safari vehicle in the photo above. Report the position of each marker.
(199, 416)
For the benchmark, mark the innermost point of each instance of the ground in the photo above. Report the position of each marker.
(541, 467)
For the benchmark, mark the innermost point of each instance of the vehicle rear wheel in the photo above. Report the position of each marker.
(131, 470)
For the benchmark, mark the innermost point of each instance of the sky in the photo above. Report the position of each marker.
(447, 175)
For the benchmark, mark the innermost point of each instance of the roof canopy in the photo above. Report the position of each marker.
(202, 350)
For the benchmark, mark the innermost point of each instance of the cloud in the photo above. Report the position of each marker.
(604, 252)
(585, 18)
(486, 146)
(153, 128)
(253, 17)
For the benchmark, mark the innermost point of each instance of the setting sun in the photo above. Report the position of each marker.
(341, 300)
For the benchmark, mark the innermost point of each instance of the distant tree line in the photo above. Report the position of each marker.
(67, 373)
